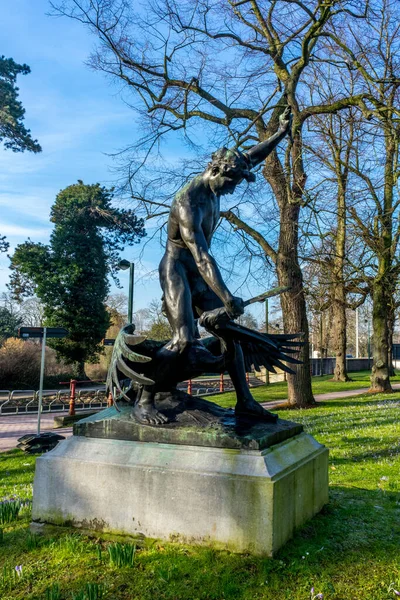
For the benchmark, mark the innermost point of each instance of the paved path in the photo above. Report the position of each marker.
(13, 427)
(322, 397)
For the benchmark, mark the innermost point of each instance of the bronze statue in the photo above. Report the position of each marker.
(193, 289)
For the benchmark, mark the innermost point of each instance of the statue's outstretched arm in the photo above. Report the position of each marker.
(257, 154)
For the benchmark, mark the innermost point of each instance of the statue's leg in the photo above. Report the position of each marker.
(178, 278)
(177, 300)
(245, 403)
(177, 305)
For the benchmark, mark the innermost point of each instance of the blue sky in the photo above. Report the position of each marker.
(78, 117)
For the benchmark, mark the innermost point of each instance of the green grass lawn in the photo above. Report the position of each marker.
(320, 385)
(351, 550)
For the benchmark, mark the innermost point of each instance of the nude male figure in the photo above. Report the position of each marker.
(190, 279)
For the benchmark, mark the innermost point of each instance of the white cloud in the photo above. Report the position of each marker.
(20, 231)
(27, 211)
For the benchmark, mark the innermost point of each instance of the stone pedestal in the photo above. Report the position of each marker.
(245, 492)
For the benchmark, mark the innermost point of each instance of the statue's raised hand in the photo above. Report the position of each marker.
(285, 120)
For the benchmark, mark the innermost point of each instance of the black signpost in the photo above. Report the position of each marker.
(39, 332)
(42, 333)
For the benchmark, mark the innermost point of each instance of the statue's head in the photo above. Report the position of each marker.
(227, 169)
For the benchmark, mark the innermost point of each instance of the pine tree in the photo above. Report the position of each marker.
(12, 130)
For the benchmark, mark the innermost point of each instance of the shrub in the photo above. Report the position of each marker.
(19, 363)
(20, 366)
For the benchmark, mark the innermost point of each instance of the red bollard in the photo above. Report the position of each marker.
(72, 398)
(221, 383)
(189, 388)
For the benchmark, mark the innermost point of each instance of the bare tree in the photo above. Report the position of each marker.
(373, 51)
(230, 66)
(32, 311)
(336, 255)
(154, 323)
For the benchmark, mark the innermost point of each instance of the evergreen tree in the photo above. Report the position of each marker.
(70, 274)
(9, 323)
(3, 244)
(12, 130)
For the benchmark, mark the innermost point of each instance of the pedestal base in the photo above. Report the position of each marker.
(239, 499)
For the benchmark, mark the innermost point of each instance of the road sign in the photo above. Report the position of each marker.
(108, 342)
(43, 333)
(37, 332)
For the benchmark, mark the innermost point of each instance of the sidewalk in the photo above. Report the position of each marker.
(13, 427)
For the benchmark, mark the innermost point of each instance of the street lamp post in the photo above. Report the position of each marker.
(369, 342)
(266, 331)
(357, 343)
(277, 327)
(124, 265)
(321, 340)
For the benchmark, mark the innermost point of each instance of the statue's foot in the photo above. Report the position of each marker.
(147, 414)
(248, 407)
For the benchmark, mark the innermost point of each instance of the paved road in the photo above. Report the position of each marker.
(13, 427)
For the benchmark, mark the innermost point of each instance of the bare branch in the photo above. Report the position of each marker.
(238, 223)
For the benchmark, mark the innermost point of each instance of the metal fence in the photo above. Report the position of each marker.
(328, 365)
(215, 385)
(27, 401)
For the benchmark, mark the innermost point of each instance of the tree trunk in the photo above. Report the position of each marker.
(380, 381)
(339, 292)
(340, 340)
(293, 305)
(391, 321)
(288, 186)
(293, 302)
(382, 291)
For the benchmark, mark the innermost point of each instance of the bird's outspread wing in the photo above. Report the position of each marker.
(119, 368)
(259, 349)
(266, 350)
